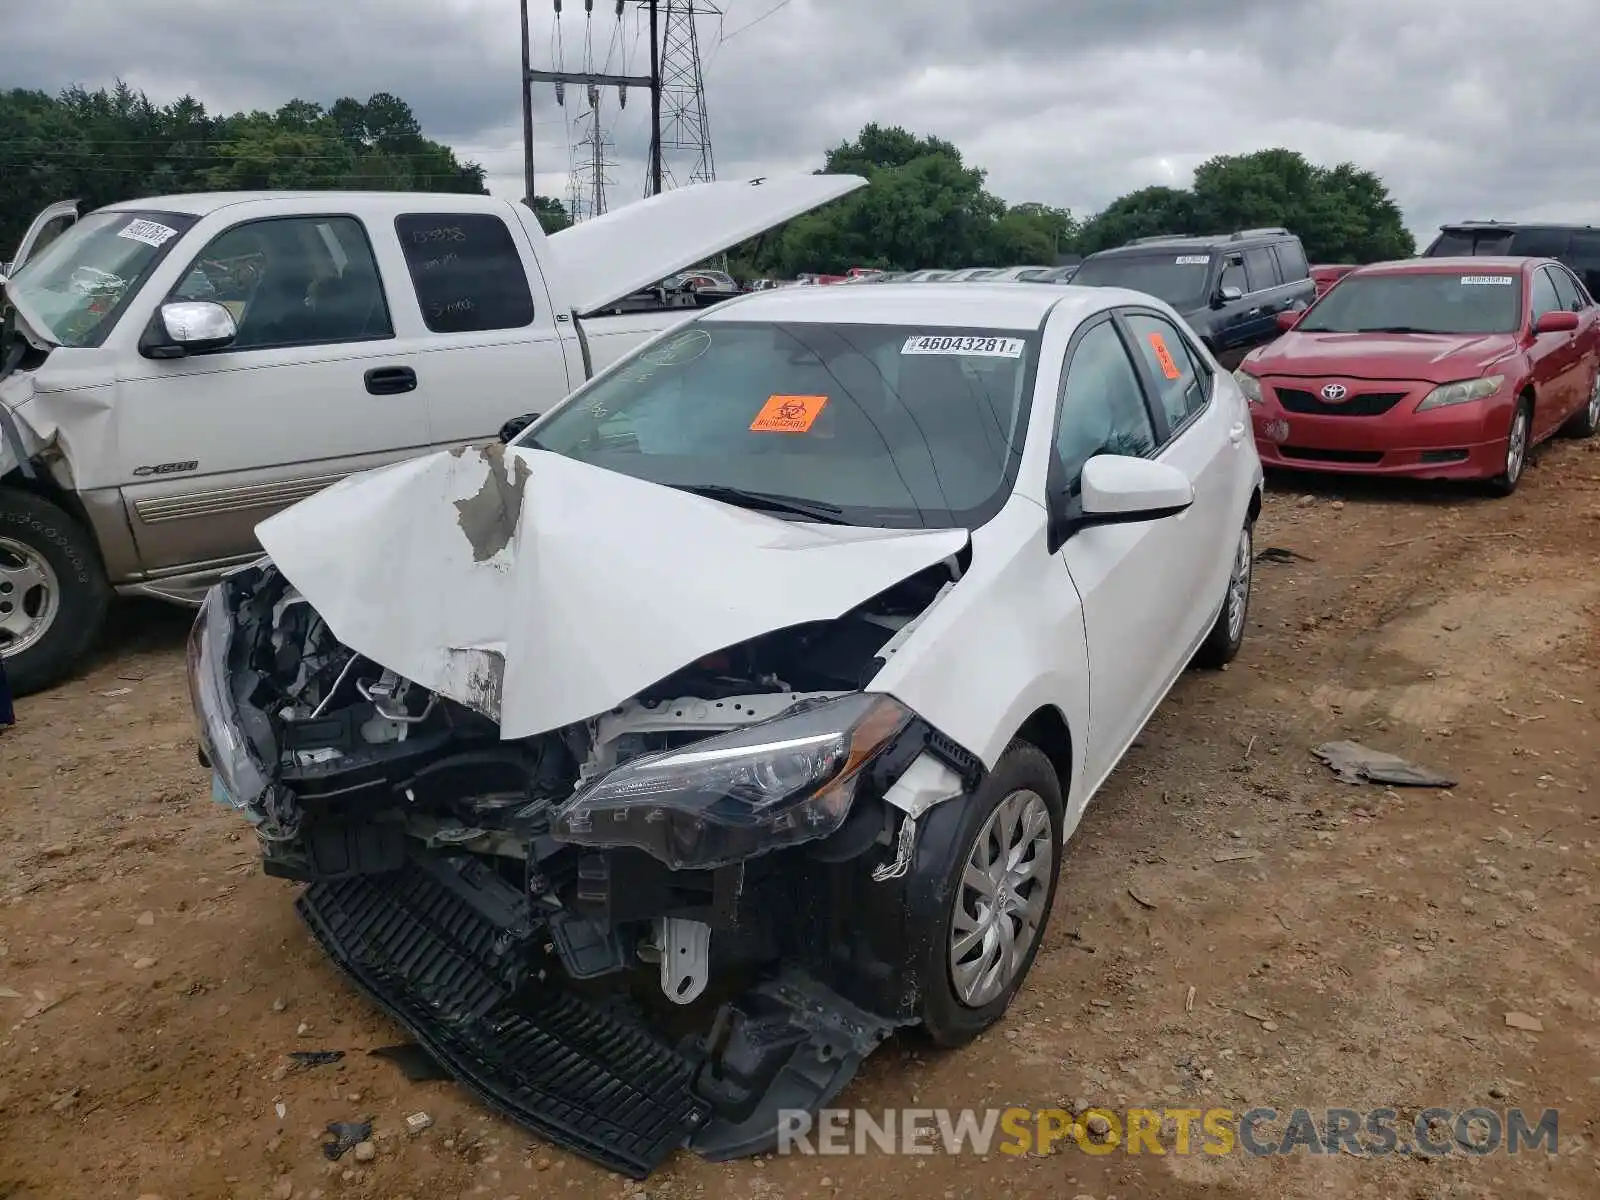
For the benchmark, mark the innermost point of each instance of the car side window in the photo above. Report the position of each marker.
(1233, 274)
(292, 281)
(1261, 269)
(1567, 294)
(1544, 296)
(467, 271)
(1182, 383)
(1102, 408)
(1292, 261)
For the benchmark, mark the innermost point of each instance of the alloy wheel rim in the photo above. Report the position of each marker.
(1517, 445)
(1594, 402)
(30, 597)
(1000, 901)
(1239, 588)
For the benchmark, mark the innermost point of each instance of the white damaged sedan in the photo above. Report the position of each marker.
(655, 767)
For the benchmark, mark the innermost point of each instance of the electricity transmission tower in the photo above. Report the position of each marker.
(591, 165)
(685, 131)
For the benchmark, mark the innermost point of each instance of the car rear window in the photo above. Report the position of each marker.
(1176, 277)
(1423, 302)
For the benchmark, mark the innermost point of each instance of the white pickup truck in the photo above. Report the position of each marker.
(174, 370)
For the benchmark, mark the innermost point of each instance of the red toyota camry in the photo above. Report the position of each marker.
(1436, 368)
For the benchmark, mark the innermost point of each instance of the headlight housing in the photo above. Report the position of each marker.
(242, 775)
(1248, 384)
(732, 797)
(1462, 392)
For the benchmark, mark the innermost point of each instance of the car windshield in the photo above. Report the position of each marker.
(1179, 279)
(74, 289)
(892, 425)
(1422, 302)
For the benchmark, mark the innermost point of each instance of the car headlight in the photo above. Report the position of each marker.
(242, 775)
(1249, 385)
(732, 797)
(1462, 392)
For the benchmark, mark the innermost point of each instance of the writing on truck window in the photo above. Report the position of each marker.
(467, 271)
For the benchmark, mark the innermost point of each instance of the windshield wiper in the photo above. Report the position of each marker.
(814, 510)
(1393, 329)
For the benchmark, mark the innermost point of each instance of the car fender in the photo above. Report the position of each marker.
(1007, 640)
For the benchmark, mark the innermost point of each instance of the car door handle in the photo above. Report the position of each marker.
(1255, 312)
(390, 381)
(1236, 432)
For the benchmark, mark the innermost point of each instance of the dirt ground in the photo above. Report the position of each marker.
(1346, 946)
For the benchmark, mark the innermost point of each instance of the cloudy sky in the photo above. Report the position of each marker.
(1467, 108)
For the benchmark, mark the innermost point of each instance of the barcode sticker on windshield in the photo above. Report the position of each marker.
(1193, 260)
(148, 232)
(983, 347)
(1499, 280)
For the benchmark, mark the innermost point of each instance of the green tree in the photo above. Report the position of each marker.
(552, 214)
(1341, 213)
(116, 144)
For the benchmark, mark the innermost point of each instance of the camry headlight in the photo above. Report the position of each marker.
(778, 783)
(1462, 392)
(1249, 385)
(240, 775)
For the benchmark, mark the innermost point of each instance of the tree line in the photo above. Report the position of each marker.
(926, 206)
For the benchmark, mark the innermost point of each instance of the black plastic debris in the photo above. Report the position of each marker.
(1355, 763)
(315, 1058)
(346, 1136)
(1277, 554)
(414, 1061)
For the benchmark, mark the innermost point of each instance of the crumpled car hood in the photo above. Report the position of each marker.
(542, 591)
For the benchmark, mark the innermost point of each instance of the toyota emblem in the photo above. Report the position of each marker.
(1334, 391)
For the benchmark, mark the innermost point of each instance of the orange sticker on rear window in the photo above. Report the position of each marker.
(1164, 356)
(788, 414)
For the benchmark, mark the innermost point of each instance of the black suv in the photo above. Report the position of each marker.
(1229, 287)
(1578, 246)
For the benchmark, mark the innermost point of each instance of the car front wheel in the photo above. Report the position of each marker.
(983, 885)
(1227, 634)
(1517, 439)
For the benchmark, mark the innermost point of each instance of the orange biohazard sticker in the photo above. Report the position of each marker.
(1164, 356)
(788, 414)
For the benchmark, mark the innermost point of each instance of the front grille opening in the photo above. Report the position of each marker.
(1362, 404)
(1312, 454)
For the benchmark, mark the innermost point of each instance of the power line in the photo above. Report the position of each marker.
(778, 7)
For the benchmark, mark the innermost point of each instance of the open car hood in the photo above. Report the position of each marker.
(541, 591)
(629, 248)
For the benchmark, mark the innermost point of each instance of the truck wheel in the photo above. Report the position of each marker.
(53, 592)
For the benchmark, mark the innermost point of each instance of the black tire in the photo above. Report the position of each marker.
(1506, 482)
(946, 840)
(1584, 422)
(1222, 644)
(44, 530)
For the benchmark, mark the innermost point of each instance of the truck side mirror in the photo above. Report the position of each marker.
(188, 327)
(516, 425)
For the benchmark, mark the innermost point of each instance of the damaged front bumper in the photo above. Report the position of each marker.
(662, 928)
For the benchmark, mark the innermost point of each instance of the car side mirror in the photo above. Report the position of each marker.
(1559, 321)
(188, 327)
(1288, 320)
(1118, 489)
(516, 425)
(1227, 294)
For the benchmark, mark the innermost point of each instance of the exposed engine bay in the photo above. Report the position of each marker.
(662, 926)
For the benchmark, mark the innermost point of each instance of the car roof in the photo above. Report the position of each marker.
(202, 204)
(1480, 264)
(1212, 242)
(976, 305)
(1509, 226)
